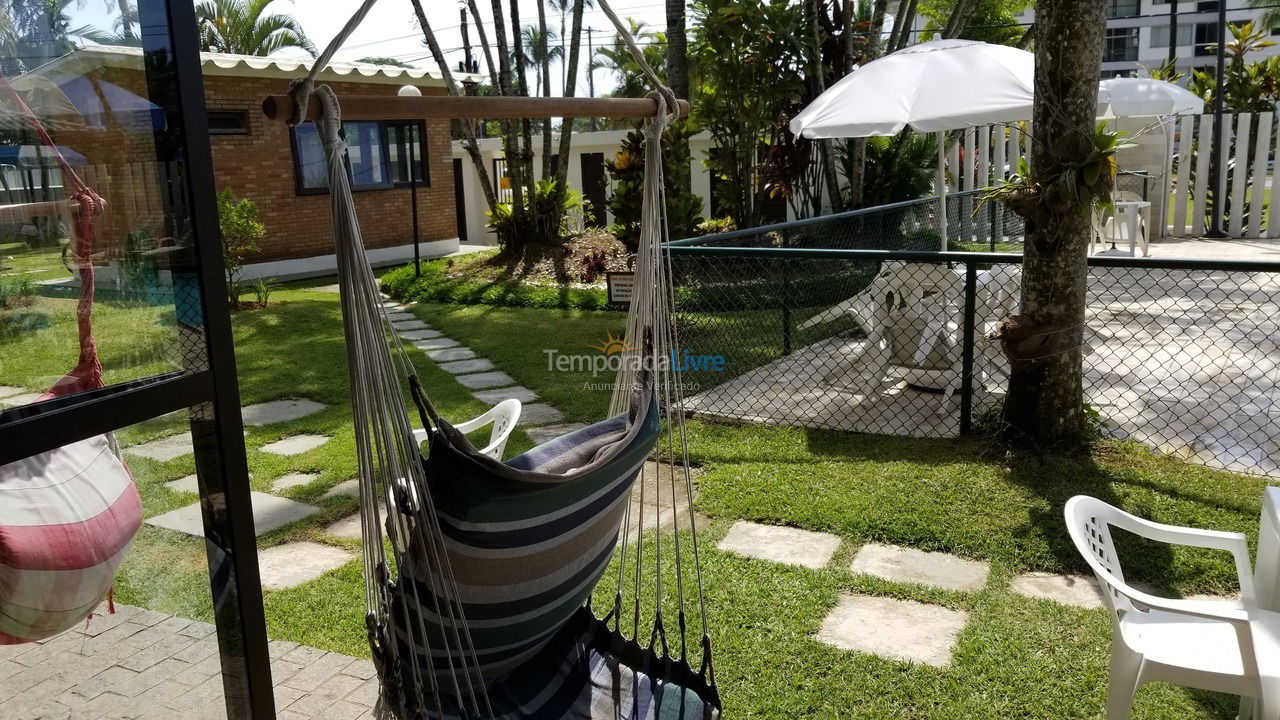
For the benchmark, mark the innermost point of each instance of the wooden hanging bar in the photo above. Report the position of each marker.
(20, 212)
(453, 107)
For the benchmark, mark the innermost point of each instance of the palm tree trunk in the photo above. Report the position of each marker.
(896, 32)
(525, 157)
(959, 18)
(1045, 403)
(510, 146)
(677, 49)
(484, 44)
(468, 130)
(877, 26)
(544, 69)
(570, 86)
(908, 21)
(825, 152)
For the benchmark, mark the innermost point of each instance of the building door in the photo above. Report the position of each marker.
(593, 189)
(459, 200)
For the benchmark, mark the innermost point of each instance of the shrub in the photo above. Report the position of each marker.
(435, 285)
(545, 220)
(241, 233)
(16, 291)
(627, 171)
(715, 226)
(262, 290)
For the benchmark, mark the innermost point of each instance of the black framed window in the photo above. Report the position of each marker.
(1123, 8)
(366, 151)
(1206, 38)
(406, 147)
(1121, 45)
(228, 122)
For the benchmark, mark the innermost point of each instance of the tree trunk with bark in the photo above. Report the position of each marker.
(570, 87)
(468, 127)
(677, 50)
(545, 73)
(826, 152)
(1045, 402)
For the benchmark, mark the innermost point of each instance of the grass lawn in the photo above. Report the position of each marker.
(1015, 658)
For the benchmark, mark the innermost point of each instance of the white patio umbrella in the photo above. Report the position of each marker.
(931, 87)
(1144, 97)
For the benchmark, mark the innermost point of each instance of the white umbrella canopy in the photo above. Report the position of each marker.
(1144, 97)
(938, 85)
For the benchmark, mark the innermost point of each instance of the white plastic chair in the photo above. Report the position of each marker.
(1122, 222)
(503, 416)
(1201, 644)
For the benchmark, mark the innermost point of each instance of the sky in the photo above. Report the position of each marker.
(391, 28)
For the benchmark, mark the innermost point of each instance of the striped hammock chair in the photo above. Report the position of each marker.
(479, 573)
(67, 516)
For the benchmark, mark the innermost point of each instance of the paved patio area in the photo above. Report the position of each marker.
(1185, 361)
(138, 664)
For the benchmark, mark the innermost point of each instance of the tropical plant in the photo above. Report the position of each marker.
(751, 55)
(900, 167)
(616, 58)
(993, 21)
(244, 27)
(262, 289)
(627, 170)
(16, 291)
(241, 234)
(538, 48)
(1271, 14)
(545, 219)
(125, 29)
(1166, 71)
(1247, 87)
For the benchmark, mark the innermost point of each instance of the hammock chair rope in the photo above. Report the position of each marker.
(534, 534)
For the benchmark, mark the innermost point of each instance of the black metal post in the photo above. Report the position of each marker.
(216, 425)
(591, 75)
(1173, 31)
(1219, 152)
(966, 350)
(413, 199)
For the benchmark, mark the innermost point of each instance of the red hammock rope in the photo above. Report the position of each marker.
(87, 207)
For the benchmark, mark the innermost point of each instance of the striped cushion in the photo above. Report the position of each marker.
(526, 546)
(67, 517)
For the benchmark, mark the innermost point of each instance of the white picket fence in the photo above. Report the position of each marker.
(1248, 148)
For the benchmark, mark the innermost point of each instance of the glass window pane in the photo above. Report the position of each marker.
(313, 171)
(364, 148)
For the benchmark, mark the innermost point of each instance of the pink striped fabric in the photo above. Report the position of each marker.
(67, 517)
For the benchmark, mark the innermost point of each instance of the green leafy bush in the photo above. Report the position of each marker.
(627, 171)
(241, 234)
(435, 285)
(715, 226)
(16, 291)
(546, 219)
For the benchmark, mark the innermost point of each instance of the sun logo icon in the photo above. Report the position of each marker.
(613, 345)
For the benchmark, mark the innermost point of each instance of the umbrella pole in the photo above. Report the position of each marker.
(942, 187)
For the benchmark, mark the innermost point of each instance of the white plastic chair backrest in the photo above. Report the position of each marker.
(924, 288)
(1089, 522)
(504, 416)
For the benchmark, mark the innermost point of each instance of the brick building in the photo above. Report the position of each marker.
(280, 168)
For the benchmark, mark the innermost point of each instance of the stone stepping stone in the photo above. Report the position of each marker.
(349, 526)
(895, 629)
(497, 395)
(547, 433)
(188, 484)
(328, 288)
(285, 566)
(791, 546)
(404, 325)
(398, 316)
(295, 444)
(293, 480)
(479, 381)
(346, 488)
(467, 366)
(421, 334)
(451, 354)
(164, 449)
(539, 414)
(1074, 590)
(269, 513)
(25, 398)
(907, 565)
(278, 411)
(439, 343)
(655, 506)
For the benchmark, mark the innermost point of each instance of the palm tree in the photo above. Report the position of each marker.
(1271, 14)
(533, 48)
(616, 58)
(243, 27)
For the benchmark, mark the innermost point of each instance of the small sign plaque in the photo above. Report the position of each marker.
(621, 285)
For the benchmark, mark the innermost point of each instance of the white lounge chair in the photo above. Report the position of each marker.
(504, 416)
(1202, 644)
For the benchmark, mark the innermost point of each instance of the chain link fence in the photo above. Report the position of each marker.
(849, 323)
